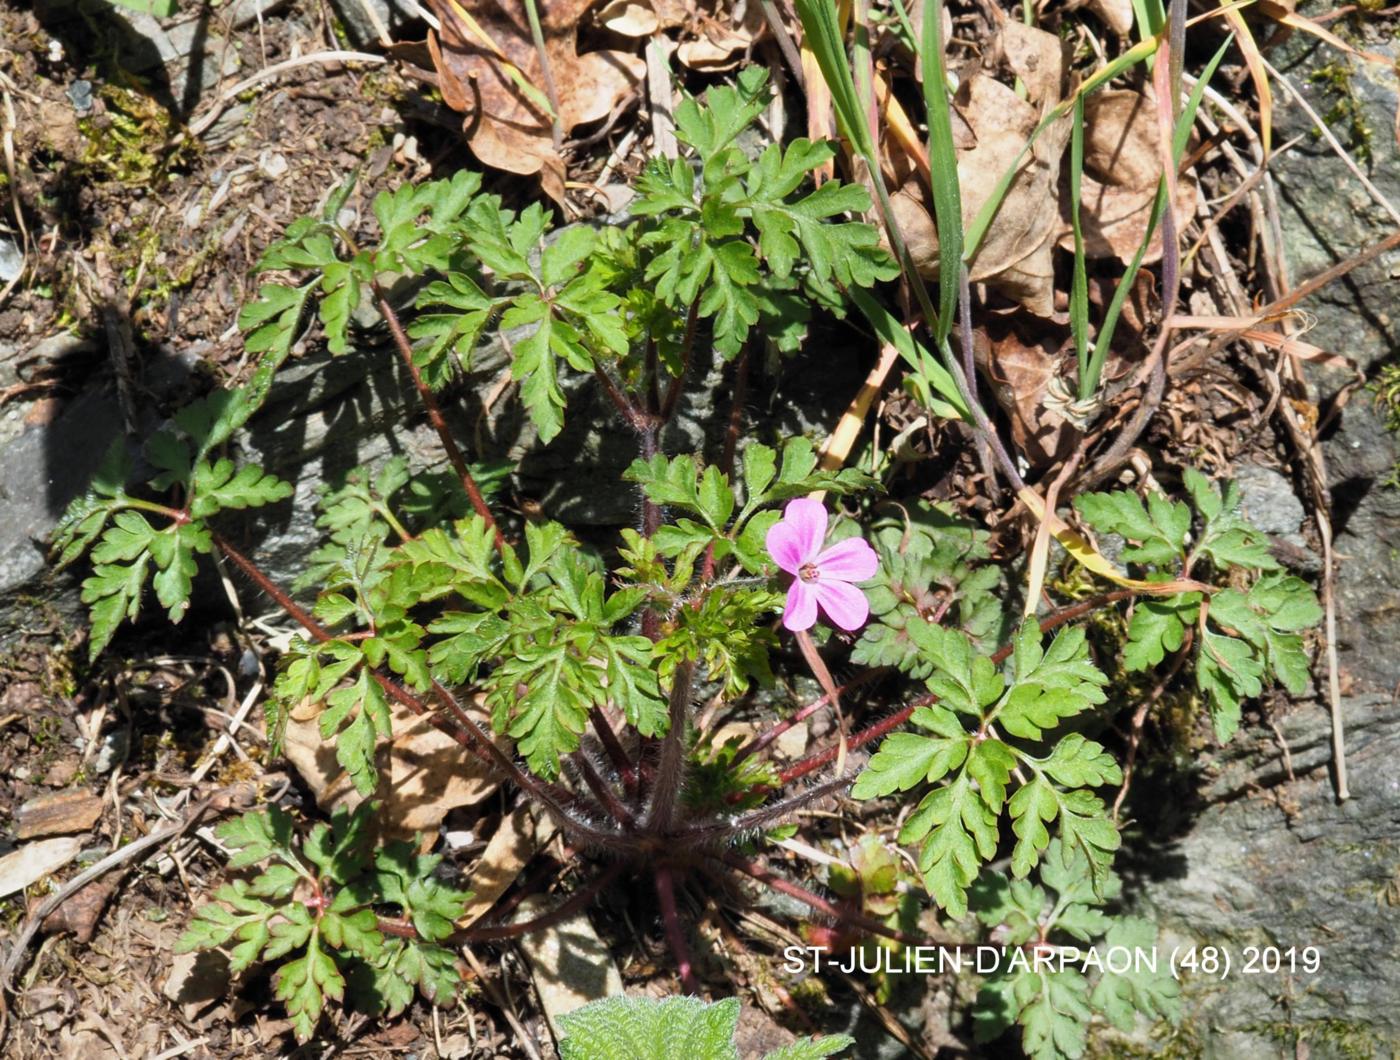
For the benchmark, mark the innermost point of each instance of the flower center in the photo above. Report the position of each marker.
(808, 572)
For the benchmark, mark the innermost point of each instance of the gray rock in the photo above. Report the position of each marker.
(1268, 500)
(363, 18)
(1274, 861)
(1327, 215)
(11, 260)
(1248, 855)
(327, 415)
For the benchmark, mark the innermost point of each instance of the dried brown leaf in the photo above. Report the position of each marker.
(505, 857)
(631, 18)
(506, 129)
(717, 48)
(1021, 371)
(1121, 171)
(1117, 15)
(429, 773)
(1016, 254)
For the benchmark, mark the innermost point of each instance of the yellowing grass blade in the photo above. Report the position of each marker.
(1088, 557)
(1257, 74)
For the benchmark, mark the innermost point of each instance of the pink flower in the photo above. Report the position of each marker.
(820, 577)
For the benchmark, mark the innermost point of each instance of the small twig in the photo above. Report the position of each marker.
(786, 45)
(223, 799)
(209, 117)
(523, 1038)
(1376, 194)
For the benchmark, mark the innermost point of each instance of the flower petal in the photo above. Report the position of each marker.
(801, 610)
(843, 603)
(852, 560)
(797, 538)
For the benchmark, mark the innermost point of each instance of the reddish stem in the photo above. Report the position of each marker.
(467, 732)
(579, 900)
(616, 752)
(675, 934)
(731, 444)
(673, 392)
(609, 801)
(880, 728)
(435, 417)
(763, 740)
(831, 909)
(670, 768)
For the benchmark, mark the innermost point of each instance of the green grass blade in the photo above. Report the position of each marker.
(987, 214)
(930, 374)
(1079, 283)
(1181, 135)
(943, 166)
(823, 34)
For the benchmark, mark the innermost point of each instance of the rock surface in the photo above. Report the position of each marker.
(327, 415)
(1259, 852)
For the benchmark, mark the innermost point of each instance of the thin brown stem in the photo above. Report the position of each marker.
(763, 740)
(874, 732)
(831, 909)
(466, 731)
(527, 783)
(736, 412)
(817, 665)
(435, 417)
(638, 419)
(271, 588)
(745, 825)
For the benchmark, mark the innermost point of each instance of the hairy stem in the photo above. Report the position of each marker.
(465, 730)
(435, 417)
(667, 784)
(673, 392)
(617, 754)
(604, 794)
(737, 828)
